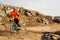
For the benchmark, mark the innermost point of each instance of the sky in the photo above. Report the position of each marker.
(48, 7)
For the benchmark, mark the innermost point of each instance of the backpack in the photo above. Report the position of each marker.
(47, 36)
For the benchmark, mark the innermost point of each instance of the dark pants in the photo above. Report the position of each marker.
(17, 23)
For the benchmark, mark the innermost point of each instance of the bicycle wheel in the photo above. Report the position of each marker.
(11, 29)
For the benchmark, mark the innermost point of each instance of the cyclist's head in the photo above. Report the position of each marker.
(14, 9)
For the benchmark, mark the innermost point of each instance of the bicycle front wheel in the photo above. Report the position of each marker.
(12, 29)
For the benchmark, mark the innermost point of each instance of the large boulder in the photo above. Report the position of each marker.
(42, 20)
(56, 19)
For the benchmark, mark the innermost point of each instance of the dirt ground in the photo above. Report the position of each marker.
(23, 34)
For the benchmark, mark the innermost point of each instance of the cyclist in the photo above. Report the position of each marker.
(15, 15)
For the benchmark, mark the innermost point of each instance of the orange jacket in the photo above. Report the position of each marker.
(14, 14)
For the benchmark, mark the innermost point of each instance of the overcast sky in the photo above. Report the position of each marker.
(49, 7)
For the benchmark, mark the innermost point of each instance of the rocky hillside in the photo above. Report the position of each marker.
(27, 17)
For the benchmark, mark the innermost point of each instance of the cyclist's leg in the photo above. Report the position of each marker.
(19, 27)
(17, 23)
(15, 27)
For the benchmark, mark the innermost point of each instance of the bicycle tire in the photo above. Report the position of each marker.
(11, 29)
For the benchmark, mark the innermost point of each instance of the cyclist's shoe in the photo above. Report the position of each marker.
(18, 28)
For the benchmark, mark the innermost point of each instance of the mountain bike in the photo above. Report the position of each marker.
(13, 27)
